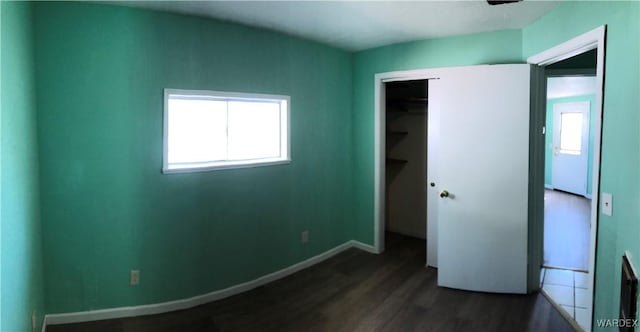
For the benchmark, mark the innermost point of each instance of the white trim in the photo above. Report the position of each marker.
(284, 103)
(229, 165)
(588, 41)
(379, 167)
(550, 187)
(363, 246)
(631, 264)
(574, 324)
(158, 308)
(379, 143)
(570, 48)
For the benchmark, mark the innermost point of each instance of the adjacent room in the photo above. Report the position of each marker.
(568, 181)
(338, 166)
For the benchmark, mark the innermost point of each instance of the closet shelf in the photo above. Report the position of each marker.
(409, 100)
(405, 111)
(394, 161)
(413, 105)
(397, 133)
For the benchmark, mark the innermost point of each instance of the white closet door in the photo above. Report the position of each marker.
(433, 143)
(483, 159)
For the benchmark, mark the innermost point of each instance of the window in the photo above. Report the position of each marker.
(207, 130)
(571, 133)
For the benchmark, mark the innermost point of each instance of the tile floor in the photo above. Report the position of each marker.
(570, 290)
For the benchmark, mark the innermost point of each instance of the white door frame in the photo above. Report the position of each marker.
(578, 45)
(380, 119)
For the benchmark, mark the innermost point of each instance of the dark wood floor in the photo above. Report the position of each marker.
(566, 230)
(354, 291)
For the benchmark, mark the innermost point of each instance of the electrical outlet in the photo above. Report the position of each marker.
(304, 237)
(33, 321)
(134, 278)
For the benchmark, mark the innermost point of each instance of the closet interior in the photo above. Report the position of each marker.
(406, 157)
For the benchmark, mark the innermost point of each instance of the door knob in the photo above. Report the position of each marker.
(444, 194)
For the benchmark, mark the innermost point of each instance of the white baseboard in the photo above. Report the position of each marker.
(158, 308)
(363, 246)
(550, 187)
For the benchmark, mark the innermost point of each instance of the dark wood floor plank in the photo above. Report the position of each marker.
(394, 303)
(111, 325)
(354, 291)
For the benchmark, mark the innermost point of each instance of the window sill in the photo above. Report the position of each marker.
(223, 166)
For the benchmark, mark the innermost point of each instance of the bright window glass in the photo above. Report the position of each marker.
(207, 130)
(254, 130)
(571, 133)
(197, 131)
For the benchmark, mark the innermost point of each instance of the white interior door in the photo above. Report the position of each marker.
(569, 164)
(483, 177)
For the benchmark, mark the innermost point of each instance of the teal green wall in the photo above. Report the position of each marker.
(483, 48)
(621, 128)
(549, 137)
(21, 237)
(106, 206)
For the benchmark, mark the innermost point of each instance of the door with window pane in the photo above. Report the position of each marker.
(570, 162)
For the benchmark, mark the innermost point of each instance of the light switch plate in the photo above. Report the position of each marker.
(607, 204)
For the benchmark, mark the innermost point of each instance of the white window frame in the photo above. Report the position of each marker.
(285, 131)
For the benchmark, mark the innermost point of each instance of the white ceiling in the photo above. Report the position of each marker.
(560, 87)
(358, 25)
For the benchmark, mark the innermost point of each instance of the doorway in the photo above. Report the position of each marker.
(463, 189)
(574, 75)
(395, 119)
(405, 157)
(571, 88)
